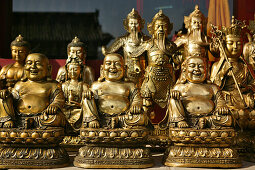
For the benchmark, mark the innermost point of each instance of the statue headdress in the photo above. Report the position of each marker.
(133, 14)
(160, 16)
(235, 28)
(20, 42)
(195, 13)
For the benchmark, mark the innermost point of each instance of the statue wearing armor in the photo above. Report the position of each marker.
(159, 74)
(195, 42)
(128, 43)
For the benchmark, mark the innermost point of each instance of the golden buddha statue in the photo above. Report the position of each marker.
(195, 42)
(12, 73)
(199, 121)
(32, 121)
(236, 79)
(76, 49)
(249, 48)
(159, 74)
(73, 89)
(114, 121)
(128, 43)
(119, 102)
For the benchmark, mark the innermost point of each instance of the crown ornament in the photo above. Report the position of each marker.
(133, 14)
(235, 28)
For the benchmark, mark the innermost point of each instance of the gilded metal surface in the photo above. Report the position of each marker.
(249, 48)
(195, 42)
(128, 43)
(12, 73)
(114, 122)
(76, 49)
(159, 75)
(200, 123)
(38, 120)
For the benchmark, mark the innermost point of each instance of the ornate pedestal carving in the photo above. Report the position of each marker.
(159, 138)
(114, 148)
(202, 148)
(245, 145)
(32, 148)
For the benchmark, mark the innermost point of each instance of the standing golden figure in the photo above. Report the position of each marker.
(159, 74)
(76, 49)
(249, 48)
(129, 42)
(195, 42)
(235, 78)
(114, 123)
(199, 121)
(12, 73)
(32, 133)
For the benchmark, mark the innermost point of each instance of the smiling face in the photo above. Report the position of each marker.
(36, 67)
(195, 70)
(233, 46)
(19, 54)
(73, 71)
(113, 67)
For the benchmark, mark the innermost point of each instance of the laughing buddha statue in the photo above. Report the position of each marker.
(114, 123)
(36, 100)
(119, 103)
(200, 124)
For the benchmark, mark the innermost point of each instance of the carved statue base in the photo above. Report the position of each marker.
(72, 143)
(159, 138)
(32, 148)
(202, 148)
(114, 148)
(113, 157)
(245, 145)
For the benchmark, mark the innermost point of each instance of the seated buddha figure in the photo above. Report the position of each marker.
(76, 49)
(12, 73)
(37, 101)
(73, 88)
(111, 102)
(195, 102)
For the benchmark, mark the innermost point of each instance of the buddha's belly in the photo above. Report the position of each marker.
(32, 103)
(198, 106)
(113, 104)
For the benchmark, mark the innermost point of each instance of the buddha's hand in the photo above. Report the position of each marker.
(175, 94)
(135, 109)
(4, 93)
(94, 124)
(222, 110)
(87, 94)
(51, 110)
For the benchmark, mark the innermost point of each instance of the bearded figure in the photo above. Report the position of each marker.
(195, 42)
(126, 44)
(159, 74)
